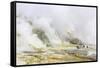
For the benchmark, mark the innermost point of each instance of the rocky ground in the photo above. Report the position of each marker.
(55, 55)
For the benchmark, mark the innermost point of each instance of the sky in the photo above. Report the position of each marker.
(79, 21)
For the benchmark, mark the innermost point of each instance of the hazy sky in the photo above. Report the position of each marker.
(81, 21)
